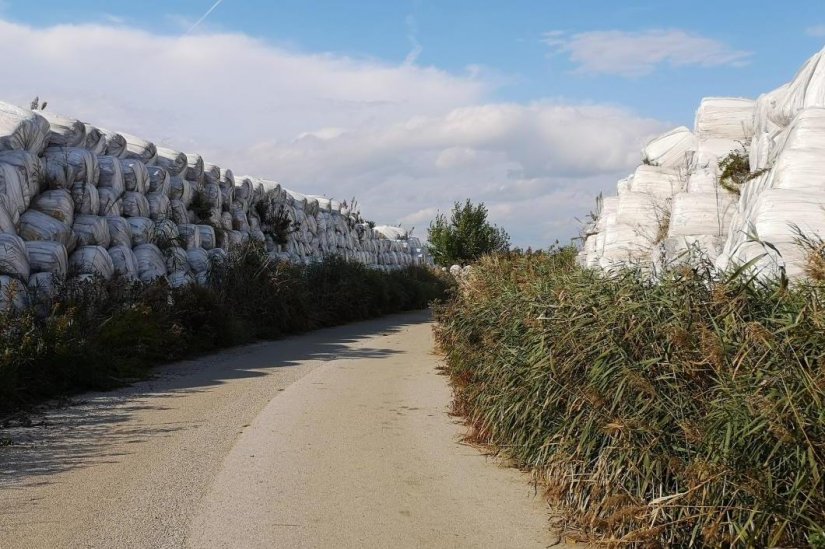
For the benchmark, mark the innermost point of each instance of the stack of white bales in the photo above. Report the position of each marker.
(788, 198)
(784, 133)
(76, 200)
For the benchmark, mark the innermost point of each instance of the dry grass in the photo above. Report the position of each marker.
(683, 413)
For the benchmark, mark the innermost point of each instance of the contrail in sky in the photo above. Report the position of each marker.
(205, 15)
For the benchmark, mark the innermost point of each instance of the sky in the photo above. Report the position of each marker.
(532, 107)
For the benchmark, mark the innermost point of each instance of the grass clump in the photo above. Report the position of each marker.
(685, 412)
(735, 170)
(99, 334)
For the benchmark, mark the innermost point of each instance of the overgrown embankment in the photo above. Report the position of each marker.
(688, 412)
(98, 334)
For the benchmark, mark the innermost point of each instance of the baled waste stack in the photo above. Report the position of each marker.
(76, 200)
(684, 211)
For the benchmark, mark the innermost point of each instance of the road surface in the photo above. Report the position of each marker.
(338, 438)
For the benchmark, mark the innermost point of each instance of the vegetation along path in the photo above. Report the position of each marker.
(338, 438)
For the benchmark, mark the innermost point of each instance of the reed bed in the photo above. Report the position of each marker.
(689, 411)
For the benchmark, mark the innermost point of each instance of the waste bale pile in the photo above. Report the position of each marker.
(81, 201)
(746, 187)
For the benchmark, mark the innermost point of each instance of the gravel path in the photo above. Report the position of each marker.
(338, 438)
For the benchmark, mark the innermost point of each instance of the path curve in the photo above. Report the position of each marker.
(338, 438)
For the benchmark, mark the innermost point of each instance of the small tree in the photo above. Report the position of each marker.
(466, 236)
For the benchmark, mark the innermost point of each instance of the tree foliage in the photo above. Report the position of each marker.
(466, 236)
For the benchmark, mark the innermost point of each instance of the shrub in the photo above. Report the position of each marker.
(466, 236)
(687, 412)
(735, 170)
(100, 334)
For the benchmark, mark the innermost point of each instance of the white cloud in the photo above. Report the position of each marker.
(817, 31)
(640, 53)
(405, 140)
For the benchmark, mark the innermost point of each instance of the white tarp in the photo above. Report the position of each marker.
(669, 150)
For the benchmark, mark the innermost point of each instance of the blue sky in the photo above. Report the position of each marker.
(647, 62)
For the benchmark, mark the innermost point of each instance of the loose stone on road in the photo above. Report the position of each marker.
(337, 438)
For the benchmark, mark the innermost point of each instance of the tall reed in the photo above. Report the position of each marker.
(689, 411)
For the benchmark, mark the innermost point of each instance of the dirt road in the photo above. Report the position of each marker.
(338, 438)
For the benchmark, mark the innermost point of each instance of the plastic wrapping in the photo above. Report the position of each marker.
(36, 225)
(120, 232)
(22, 129)
(124, 262)
(151, 264)
(14, 259)
(91, 230)
(91, 260)
(48, 257)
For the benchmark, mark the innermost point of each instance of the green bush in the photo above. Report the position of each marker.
(686, 412)
(466, 236)
(100, 334)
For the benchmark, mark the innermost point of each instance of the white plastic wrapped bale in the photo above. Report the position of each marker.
(391, 233)
(211, 173)
(95, 141)
(124, 261)
(159, 180)
(641, 210)
(22, 129)
(777, 212)
(65, 166)
(765, 262)
(244, 190)
(657, 181)
(13, 190)
(166, 231)
(143, 230)
(31, 168)
(807, 89)
(63, 131)
(120, 232)
(92, 260)
(801, 163)
(151, 265)
(115, 144)
(86, 198)
(695, 214)
(175, 259)
(729, 118)
(7, 224)
(179, 279)
(159, 206)
(181, 189)
(198, 260)
(239, 220)
(91, 230)
(767, 117)
(111, 175)
(226, 221)
(689, 249)
(13, 294)
(110, 203)
(14, 259)
(135, 204)
(669, 150)
(177, 212)
(229, 239)
(135, 175)
(207, 237)
(48, 257)
(175, 162)
(227, 178)
(57, 203)
(194, 167)
(140, 149)
(190, 236)
(36, 225)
